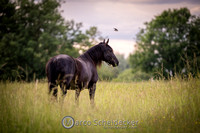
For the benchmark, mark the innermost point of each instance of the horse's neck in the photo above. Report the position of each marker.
(87, 57)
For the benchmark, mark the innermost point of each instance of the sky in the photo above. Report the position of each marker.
(128, 16)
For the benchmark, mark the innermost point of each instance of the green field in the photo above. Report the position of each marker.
(158, 106)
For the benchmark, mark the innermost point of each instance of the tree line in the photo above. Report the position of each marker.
(32, 32)
(169, 45)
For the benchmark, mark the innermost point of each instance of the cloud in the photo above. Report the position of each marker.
(141, 1)
(106, 15)
(195, 10)
(128, 16)
(122, 46)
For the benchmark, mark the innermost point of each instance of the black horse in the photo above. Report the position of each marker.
(78, 73)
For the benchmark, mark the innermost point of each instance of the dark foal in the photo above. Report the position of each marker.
(78, 73)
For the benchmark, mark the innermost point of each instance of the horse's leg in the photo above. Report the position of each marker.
(77, 96)
(63, 87)
(53, 86)
(92, 94)
(77, 93)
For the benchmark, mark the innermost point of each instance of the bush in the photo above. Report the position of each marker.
(128, 76)
(107, 72)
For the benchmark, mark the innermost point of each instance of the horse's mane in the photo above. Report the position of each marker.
(95, 53)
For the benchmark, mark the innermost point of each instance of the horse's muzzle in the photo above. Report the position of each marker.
(116, 64)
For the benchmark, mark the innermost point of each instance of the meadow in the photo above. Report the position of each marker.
(157, 106)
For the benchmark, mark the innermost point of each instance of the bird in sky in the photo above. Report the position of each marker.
(115, 29)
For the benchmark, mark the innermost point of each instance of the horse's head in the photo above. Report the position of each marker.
(108, 55)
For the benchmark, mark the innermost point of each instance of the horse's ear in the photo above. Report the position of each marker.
(107, 42)
(103, 40)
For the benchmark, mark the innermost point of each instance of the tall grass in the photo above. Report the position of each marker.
(158, 106)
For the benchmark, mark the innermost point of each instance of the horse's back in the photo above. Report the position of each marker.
(59, 67)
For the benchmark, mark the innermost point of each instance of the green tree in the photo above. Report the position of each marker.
(87, 39)
(167, 43)
(31, 32)
(108, 73)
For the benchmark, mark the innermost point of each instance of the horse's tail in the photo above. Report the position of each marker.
(51, 71)
(51, 76)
